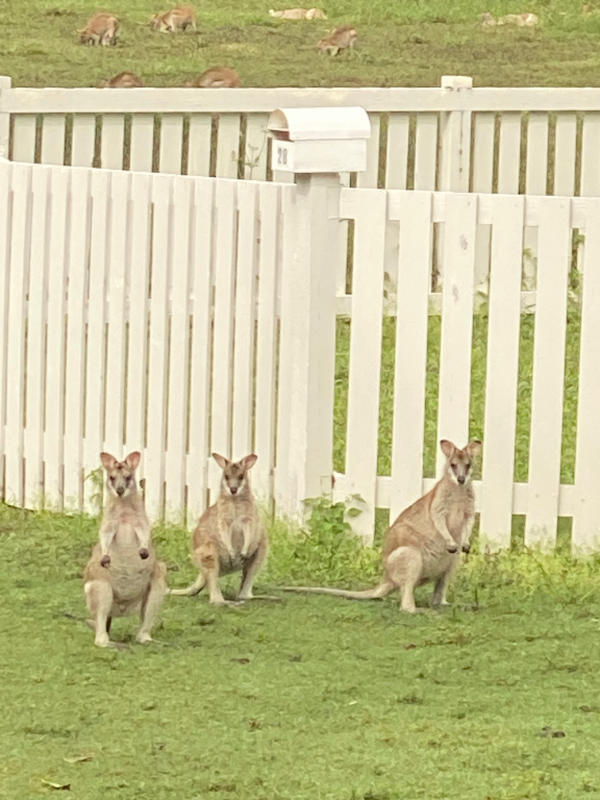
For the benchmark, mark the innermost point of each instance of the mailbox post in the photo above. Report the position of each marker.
(316, 144)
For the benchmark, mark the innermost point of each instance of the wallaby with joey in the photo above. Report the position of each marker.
(341, 39)
(101, 29)
(177, 19)
(123, 80)
(216, 78)
(423, 543)
(229, 536)
(123, 575)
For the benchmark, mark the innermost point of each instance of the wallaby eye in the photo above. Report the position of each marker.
(112, 478)
(454, 465)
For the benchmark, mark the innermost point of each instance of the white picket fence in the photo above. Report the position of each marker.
(180, 315)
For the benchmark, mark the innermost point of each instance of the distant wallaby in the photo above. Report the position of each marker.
(123, 576)
(229, 535)
(101, 29)
(177, 19)
(216, 78)
(124, 80)
(340, 39)
(423, 543)
(298, 13)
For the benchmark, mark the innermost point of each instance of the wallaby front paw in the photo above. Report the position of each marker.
(466, 548)
(105, 561)
(144, 553)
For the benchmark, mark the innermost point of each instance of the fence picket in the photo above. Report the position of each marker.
(255, 157)
(536, 173)
(590, 146)
(83, 140)
(368, 178)
(171, 135)
(111, 143)
(23, 139)
(53, 139)
(199, 144)
(509, 152)
(396, 161)
(426, 149)
(141, 142)
(482, 176)
(5, 236)
(564, 154)
(228, 146)
(548, 372)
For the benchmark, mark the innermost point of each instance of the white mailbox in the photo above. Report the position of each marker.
(319, 139)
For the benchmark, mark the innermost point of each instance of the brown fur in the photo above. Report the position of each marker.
(298, 13)
(423, 543)
(177, 19)
(229, 536)
(123, 576)
(124, 80)
(101, 29)
(340, 39)
(216, 78)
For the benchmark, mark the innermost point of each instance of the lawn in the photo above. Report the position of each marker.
(304, 699)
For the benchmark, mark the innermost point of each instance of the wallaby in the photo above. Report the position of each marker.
(216, 78)
(422, 544)
(298, 13)
(526, 20)
(101, 29)
(229, 535)
(124, 80)
(340, 39)
(177, 19)
(123, 575)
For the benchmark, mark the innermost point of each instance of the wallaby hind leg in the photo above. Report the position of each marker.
(404, 567)
(438, 598)
(99, 598)
(152, 602)
(250, 570)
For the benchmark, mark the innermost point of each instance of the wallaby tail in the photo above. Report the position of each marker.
(377, 593)
(190, 591)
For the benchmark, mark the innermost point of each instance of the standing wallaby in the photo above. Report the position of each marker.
(124, 80)
(123, 575)
(177, 19)
(216, 78)
(423, 543)
(340, 39)
(229, 535)
(101, 29)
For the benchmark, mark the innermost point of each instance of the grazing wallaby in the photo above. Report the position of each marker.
(101, 29)
(124, 80)
(123, 575)
(229, 535)
(216, 78)
(298, 13)
(177, 19)
(526, 19)
(340, 39)
(423, 543)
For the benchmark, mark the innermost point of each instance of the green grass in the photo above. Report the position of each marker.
(403, 43)
(311, 698)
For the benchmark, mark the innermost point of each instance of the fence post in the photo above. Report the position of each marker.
(5, 83)
(455, 139)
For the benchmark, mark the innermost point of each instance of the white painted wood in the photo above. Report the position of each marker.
(138, 265)
(228, 146)
(112, 139)
(199, 144)
(154, 461)
(426, 148)
(509, 149)
(53, 139)
(77, 224)
(586, 515)
(369, 178)
(15, 359)
(365, 352)
(178, 351)
(36, 338)
(96, 307)
(201, 286)
(564, 154)
(255, 157)
(6, 169)
(536, 170)
(171, 135)
(141, 143)
(396, 162)
(244, 320)
(55, 377)
(457, 320)
(548, 373)
(83, 140)
(482, 171)
(23, 142)
(455, 140)
(590, 147)
(416, 234)
(116, 298)
(266, 336)
(5, 84)
(502, 372)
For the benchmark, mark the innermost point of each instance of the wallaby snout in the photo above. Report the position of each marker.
(144, 553)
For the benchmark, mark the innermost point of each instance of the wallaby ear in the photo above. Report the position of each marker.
(108, 461)
(447, 447)
(249, 461)
(133, 459)
(473, 447)
(221, 460)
